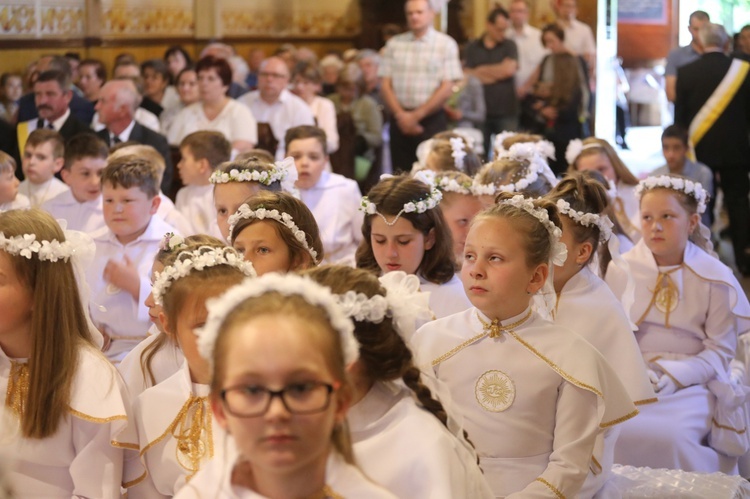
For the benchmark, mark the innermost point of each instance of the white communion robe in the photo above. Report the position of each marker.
(20, 202)
(697, 343)
(627, 210)
(445, 299)
(587, 306)
(84, 458)
(334, 202)
(165, 362)
(533, 399)
(177, 434)
(196, 203)
(38, 194)
(409, 451)
(86, 217)
(343, 480)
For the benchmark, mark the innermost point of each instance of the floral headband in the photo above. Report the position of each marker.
(283, 172)
(458, 152)
(287, 285)
(418, 206)
(559, 251)
(171, 242)
(443, 182)
(197, 260)
(544, 147)
(261, 213)
(602, 222)
(404, 303)
(576, 147)
(27, 246)
(684, 185)
(537, 166)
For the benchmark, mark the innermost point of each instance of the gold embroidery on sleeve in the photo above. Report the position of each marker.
(18, 388)
(723, 427)
(551, 487)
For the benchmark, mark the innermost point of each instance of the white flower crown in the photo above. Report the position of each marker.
(526, 151)
(171, 242)
(404, 303)
(284, 172)
(419, 206)
(544, 147)
(576, 147)
(197, 260)
(603, 222)
(287, 285)
(559, 251)
(27, 246)
(685, 185)
(443, 182)
(458, 151)
(261, 213)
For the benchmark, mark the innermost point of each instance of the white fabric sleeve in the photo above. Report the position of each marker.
(327, 121)
(176, 132)
(243, 125)
(720, 343)
(576, 428)
(97, 467)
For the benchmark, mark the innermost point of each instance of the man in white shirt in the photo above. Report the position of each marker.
(579, 38)
(118, 101)
(528, 41)
(274, 107)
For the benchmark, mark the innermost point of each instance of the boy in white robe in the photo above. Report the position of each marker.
(43, 157)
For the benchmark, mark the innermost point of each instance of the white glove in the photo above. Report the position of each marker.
(665, 386)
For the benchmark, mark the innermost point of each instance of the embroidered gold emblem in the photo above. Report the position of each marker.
(667, 299)
(495, 391)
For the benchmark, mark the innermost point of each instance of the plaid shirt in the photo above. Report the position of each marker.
(417, 66)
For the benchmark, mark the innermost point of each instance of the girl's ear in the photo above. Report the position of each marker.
(584, 253)
(693, 222)
(429, 240)
(538, 278)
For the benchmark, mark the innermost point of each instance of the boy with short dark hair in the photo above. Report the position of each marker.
(81, 205)
(202, 152)
(333, 199)
(43, 156)
(674, 146)
(120, 275)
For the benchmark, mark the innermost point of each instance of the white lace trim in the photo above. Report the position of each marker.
(537, 166)
(197, 260)
(285, 219)
(687, 186)
(559, 251)
(287, 285)
(603, 222)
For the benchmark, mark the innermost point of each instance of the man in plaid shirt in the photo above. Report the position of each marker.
(418, 71)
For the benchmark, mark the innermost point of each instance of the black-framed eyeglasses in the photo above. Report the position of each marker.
(249, 401)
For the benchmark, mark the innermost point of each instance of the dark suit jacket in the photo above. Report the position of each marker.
(80, 107)
(73, 126)
(726, 142)
(9, 144)
(146, 136)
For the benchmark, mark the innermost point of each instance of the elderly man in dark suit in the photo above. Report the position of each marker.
(713, 102)
(118, 101)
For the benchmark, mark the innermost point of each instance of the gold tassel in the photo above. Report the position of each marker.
(192, 430)
(18, 387)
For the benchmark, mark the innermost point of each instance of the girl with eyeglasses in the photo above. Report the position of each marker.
(279, 346)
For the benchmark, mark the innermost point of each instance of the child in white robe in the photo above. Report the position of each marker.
(586, 305)
(10, 198)
(533, 395)
(43, 157)
(404, 231)
(202, 152)
(689, 309)
(332, 198)
(175, 430)
(393, 413)
(298, 445)
(276, 232)
(597, 154)
(119, 276)
(68, 408)
(250, 173)
(81, 205)
(158, 356)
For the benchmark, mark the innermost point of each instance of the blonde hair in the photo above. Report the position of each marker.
(146, 152)
(592, 146)
(442, 152)
(311, 316)
(59, 329)
(506, 171)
